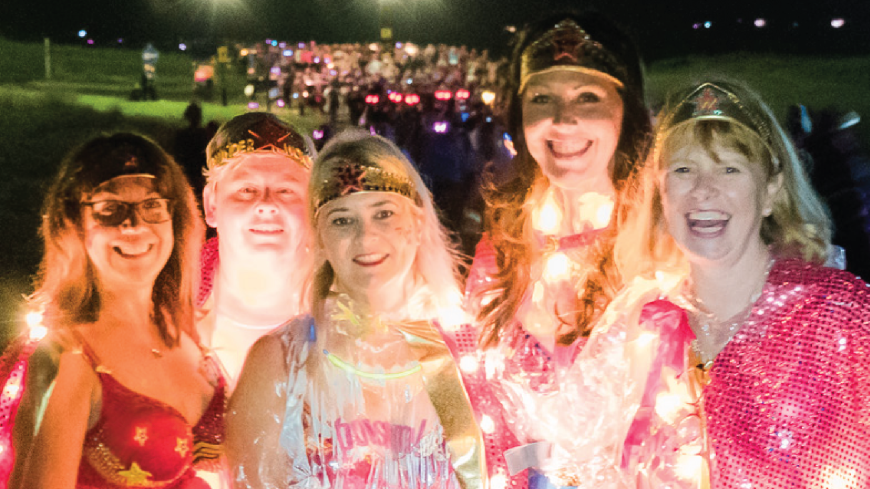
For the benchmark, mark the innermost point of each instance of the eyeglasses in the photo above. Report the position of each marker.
(112, 213)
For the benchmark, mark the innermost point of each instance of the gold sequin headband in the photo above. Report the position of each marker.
(266, 137)
(347, 178)
(568, 47)
(712, 102)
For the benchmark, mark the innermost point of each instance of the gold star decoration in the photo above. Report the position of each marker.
(141, 435)
(181, 446)
(135, 475)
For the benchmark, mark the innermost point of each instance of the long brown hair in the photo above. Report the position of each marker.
(508, 214)
(66, 282)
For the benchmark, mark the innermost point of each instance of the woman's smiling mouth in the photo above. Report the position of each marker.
(370, 259)
(565, 149)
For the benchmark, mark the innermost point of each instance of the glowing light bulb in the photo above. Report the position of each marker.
(468, 364)
(538, 293)
(668, 406)
(557, 267)
(33, 318)
(11, 390)
(838, 478)
(548, 217)
(487, 425)
(498, 481)
(596, 209)
(38, 332)
(688, 467)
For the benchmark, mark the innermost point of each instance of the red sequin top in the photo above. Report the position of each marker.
(788, 403)
(142, 442)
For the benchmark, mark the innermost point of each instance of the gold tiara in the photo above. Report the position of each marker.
(345, 178)
(568, 47)
(266, 136)
(710, 101)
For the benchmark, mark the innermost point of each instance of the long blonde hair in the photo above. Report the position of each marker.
(798, 225)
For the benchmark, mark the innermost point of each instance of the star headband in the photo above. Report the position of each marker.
(267, 136)
(568, 47)
(712, 102)
(345, 178)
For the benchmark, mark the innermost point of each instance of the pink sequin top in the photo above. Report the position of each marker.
(581, 415)
(528, 359)
(208, 261)
(788, 403)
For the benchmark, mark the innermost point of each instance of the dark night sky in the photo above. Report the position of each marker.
(661, 27)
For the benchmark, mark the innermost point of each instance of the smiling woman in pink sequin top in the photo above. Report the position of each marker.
(779, 359)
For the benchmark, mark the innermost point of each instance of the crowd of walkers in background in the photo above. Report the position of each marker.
(653, 301)
(441, 106)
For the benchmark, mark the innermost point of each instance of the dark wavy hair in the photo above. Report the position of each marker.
(66, 282)
(507, 216)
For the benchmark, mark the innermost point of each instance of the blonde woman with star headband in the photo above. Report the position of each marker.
(362, 392)
(542, 275)
(775, 381)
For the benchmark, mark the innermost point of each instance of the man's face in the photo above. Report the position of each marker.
(258, 207)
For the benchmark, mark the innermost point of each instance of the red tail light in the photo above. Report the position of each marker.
(443, 94)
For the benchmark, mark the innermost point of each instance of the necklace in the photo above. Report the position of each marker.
(713, 334)
(338, 362)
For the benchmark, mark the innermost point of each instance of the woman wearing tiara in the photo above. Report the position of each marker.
(543, 274)
(777, 369)
(362, 392)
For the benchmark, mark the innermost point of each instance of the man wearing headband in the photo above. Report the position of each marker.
(253, 271)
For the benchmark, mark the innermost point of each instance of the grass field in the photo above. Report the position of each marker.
(41, 119)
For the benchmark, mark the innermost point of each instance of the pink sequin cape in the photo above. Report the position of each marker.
(788, 403)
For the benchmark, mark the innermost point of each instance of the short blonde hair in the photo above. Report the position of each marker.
(798, 225)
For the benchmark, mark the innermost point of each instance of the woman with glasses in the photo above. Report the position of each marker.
(134, 401)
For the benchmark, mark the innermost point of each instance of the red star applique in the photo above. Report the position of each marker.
(350, 178)
(565, 44)
(707, 102)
